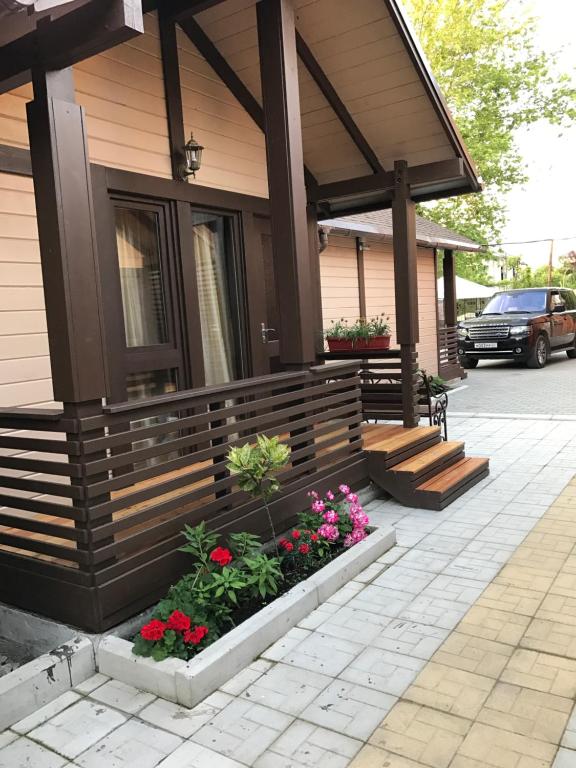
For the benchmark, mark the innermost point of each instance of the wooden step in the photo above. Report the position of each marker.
(397, 444)
(430, 462)
(446, 486)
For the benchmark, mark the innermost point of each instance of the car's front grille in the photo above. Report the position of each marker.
(489, 332)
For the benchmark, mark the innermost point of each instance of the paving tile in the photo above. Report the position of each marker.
(504, 597)
(392, 555)
(569, 738)
(291, 639)
(467, 567)
(89, 685)
(246, 677)
(344, 595)
(133, 745)
(45, 713)
(370, 573)
(436, 611)
(7, 737)
(442, 544)
(77, 728)
(565, 758)
(542, 672)
(383, 670)
(433, 562)
(349, 709)
(411, 638)
(324, 654)
(382, 601)
(190, 755)
(456, 588)
(474, 654)
(525, 576)
(422, 734)
(243, 730)
(450, 690)
(496, 748)
(526, 712)
(183, 721)
(305, 744)
(355, 624)
(550, 636)
(558, 608)
(459, 529)
(374, 757)
(493, 624)
(402, 578)
(314, 619)
(23, 753)
(491, 553)
(287, 688)
(122, 696)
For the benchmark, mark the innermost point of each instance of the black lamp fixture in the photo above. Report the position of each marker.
(193, 158)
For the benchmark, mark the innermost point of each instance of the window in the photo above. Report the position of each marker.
(556, 301)
(516, 302)
(569, 299)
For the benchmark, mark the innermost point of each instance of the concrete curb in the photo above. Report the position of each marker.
(187, 683)
(39, 682)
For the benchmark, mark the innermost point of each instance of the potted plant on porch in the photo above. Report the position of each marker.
(364, 333)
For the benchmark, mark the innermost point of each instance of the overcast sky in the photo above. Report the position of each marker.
(546, 206)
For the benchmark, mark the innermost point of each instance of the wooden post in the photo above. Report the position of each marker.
(315, 278)
(406, 290)
(64, 207)
(279, 74)
(172, 92)
(450, 311)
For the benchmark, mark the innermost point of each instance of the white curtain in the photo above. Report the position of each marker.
(214, 303)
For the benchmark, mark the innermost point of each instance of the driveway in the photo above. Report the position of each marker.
(501, 386)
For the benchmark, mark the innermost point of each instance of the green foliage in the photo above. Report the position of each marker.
(254, 465)
(484, 57)
(524, 276)
(363, 328)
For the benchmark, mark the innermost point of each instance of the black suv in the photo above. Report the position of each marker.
(526, 325)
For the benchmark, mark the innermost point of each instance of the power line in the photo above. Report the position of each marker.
(527, 242)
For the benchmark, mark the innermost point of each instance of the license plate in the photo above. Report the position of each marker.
(486, 345)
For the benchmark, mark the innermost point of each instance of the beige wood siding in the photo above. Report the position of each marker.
(340, 289)
(25, 376)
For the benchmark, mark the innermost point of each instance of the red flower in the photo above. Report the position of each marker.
(178, 621)
(154, 630)
(221, 556)
(314, 537)
(288, 546)
(196, 635)
(304, 549)
(295, 534)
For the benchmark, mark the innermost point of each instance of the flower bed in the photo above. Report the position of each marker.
(230, 583)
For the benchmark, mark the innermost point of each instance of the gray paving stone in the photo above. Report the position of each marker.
(133, 745)
(287, 688)
(305, 744)
(45, 713)
(444, 545)
(403, 578)
(23, 753)
(411, 638)
(467, 567)
(122, 696)
(426, 561)
(246, 677)
(350, 709)
(436, 611)
(91, 683)
(323, 653)
(190, 755)
(243, 730)
(565, 758)
(77, 728)
(355, 624)
(457, 588)
(182, 721)
(317, 617)
(386, 602)
(383, 671)
(291, 639)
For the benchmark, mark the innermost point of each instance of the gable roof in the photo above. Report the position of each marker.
(379, 223)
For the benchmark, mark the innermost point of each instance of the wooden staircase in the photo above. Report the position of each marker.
(417, 468)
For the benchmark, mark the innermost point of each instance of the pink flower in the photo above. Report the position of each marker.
(329, 532)
(318, 506)
(331, 516)
(348, 540)
(358, 534)
(330, 496)
(313, 494)
(352, 498)
(345, 489)
(359, 519)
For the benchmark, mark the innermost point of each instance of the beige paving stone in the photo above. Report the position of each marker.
(526, 712)
(450, 690)
(421, 734)
(548, 542)
(496, 748)
(473, 654)
(565, 582)
(503, 597)
(551, 637)
(558, 608)
(494, 624)
(525, 576)
(373, 757)
(542, 672)
(554, 527)
(545, 562)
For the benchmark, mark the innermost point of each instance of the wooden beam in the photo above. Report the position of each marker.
(449, 272)
(406, 288)
(70, 38)
(67, 234)
(329, 93)
(361, 276)
(418, 175)
(15, 160)
(279, 74)
(172, 92)
(210, 52)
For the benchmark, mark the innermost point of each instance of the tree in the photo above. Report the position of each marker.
(484, 57)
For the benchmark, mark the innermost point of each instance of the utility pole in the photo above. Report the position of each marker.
(551, 261)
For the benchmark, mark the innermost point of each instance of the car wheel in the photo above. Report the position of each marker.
(572, 352)
(539, 355)
(468, 362)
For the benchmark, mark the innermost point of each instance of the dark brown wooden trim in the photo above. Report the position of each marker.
(283, 131)
(15, 160)
(210, 52)
(172, 92)
(449, 271)
(329, 93)
(361, 276)
(72, 37)
(179, 9)
(315, 276)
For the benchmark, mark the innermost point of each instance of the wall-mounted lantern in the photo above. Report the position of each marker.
(193, 155)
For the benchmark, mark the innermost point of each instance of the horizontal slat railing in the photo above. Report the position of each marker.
(97, 492)
(448, 363)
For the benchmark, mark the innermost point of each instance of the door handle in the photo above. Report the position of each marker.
(264, 332)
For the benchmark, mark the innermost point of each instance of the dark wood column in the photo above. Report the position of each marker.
(450, 311)
(315, 277)
(279, 74)
(63, 189)
(406, 290)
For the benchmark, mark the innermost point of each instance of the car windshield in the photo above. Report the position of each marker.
(516, 301)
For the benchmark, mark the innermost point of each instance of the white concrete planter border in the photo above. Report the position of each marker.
(39, 682)
(187, 683)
